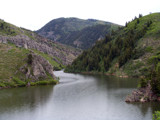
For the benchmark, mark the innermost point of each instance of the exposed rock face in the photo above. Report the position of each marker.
(37, 68)
(142, 95)
(41, 44)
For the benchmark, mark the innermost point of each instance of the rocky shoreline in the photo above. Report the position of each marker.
(144, 94)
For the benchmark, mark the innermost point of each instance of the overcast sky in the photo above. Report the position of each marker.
(33, 14)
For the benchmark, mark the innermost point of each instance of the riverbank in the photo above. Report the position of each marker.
(15, 84)
(80, 96)
(144, 94)
(107, 74)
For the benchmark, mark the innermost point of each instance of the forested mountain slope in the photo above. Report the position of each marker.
(76, 32)
(125, 52)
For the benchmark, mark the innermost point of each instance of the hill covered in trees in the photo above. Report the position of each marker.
(124, 52)
(133, 50)
(76, 32)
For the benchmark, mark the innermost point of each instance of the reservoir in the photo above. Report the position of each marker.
(76, 97)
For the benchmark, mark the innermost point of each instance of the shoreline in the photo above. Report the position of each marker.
(38, 83)
(107, 74)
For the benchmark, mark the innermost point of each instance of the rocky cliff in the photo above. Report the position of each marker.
(43, 45)
(22, 37)
(23, 67)
(29, 59)
(37, 67)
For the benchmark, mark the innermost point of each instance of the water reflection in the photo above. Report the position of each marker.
(77, 97)
(15, 101)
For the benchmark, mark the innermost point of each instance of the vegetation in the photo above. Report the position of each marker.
(57, 66)
(156, 115)
(86, 38)
(7, 29)
(123, 50)
(153, 76)
(76, 32)
(11, 62)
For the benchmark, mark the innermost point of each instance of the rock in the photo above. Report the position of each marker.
(142, 95)
(25, 46)
(39, 66)
(41, 44)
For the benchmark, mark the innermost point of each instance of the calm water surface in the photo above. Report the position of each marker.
(77, 97)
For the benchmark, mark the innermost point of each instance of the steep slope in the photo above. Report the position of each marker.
(126, 52)
(21, 67)
(87, 37)
(29, 59)
(76, 32)
(25, 38)
(131, 51)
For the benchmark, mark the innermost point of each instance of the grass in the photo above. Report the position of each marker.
(56, 65)
(154, 29)
(11, 59)
(9, 29)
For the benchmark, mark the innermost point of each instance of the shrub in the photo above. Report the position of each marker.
(52, 82)
(30, 59)
(156, 115)
(149, 49)
(2, 85)
(143, 82)
(32, 83)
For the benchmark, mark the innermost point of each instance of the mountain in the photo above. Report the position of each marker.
(76, 32)
(29, 59)
(133, 50)
(25, 38)
(124, 51)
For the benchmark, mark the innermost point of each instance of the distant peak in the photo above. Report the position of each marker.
(93, 20)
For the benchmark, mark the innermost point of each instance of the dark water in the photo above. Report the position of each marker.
(77, 97)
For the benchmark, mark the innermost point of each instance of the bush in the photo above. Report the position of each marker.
(30, 59)
(2, 85)
(143, 82)
(52, 82)
(156, 115)
(32, 83)
(149, 49)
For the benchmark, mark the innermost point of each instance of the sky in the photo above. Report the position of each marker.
(34, 14)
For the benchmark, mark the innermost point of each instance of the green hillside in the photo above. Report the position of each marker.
(76, 32)
(23, 37)
(29, 59)
(11, 62)
(125, 52)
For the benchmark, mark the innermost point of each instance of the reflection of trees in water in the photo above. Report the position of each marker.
(116, 82)
(116, 86)
(19, 98)
(146, 107)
